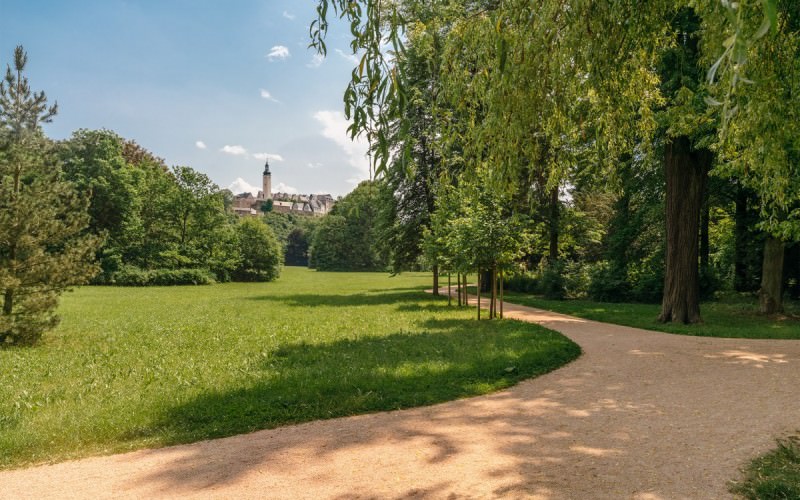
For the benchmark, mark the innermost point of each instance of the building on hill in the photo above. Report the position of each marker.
(246, 204)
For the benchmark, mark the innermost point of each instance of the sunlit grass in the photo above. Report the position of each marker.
(144, 367)
(774, 475)
(732, 316)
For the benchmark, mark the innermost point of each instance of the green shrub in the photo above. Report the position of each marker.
(171, 277)
(609, 285)
(522, 283)
(262, 255)
(553, 282)
(133, 276)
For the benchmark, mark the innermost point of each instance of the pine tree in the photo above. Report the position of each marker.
(43, 245)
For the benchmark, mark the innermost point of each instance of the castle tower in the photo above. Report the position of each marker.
(266, 182)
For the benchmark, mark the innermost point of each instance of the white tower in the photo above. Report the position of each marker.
(267, 182)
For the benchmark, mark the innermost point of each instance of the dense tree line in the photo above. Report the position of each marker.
(98, 208)
(644, 151)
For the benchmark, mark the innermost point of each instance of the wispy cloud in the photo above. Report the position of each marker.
(283, 188)
(353, 58)
(314, 165)
(265, 94)
(316, 61)
(334, 127)
(278, 53)
(234, 150)
(268, 156)
(288, 15)
(242, 186)
(200, 145)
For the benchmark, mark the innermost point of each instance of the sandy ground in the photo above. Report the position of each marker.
(640, 415)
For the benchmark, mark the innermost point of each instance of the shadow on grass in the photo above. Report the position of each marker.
(450, 359)
(356, 299)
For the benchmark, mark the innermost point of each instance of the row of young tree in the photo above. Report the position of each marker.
(641, 148)
(98, 208)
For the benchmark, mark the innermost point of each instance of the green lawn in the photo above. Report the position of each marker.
(145, 367)
(733, 317)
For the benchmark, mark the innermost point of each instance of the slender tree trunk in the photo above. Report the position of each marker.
(449, 290)
(494, 292)
(771, 293)
(479, 294)
(486, 279)
(741, 274)
(436, 280)
(686, 173)
(8, 302)
(554, 223)
(458, 288)
(502, 286)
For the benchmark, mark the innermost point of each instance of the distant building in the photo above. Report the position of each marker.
(246, 204)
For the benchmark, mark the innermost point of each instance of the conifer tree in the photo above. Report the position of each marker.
(43, 245)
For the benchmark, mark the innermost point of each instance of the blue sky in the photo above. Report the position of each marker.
(217, 86)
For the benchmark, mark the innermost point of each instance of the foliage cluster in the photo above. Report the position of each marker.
(600, 123)
(347, 239)
(44, 248)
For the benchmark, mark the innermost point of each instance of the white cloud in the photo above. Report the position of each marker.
(334, 127)
(268, 156)
(314, 165)
(288, 16)
(278, 53)
(234, 150)
(265, 94)
(316, 61)
(242, 186)
(353, 58)
(283, 188)
(200, 145)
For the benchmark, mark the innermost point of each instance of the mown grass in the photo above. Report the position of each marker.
(731, 317)
(145, 367)
(774, 475)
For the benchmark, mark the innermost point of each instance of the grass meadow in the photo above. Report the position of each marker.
(132, 368)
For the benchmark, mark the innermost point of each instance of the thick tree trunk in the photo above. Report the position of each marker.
(554, 223)
(8, 302)
(739, 246)
(436, 280)
(686, 174)
(771, 293)
(502, 287)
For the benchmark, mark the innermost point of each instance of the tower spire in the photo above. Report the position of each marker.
(266, 168)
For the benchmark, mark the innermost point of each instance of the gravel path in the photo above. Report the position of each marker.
(640, 415)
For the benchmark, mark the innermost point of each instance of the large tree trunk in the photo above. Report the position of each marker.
(686, 174)
(436, 280)
(771, 293)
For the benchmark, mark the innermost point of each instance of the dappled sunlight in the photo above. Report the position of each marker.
(749, 358)
(639, 352)
(594, 452)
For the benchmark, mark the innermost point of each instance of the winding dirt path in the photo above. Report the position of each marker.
(640, 415)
